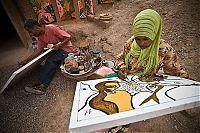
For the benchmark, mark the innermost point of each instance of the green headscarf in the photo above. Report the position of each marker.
(147, 23)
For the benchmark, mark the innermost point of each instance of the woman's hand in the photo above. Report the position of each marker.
(122, 72)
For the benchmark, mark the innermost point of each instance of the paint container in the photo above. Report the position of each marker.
(73, 70)
(87, 66)
(71, 56)
(96, 52)
(108, 63)
(80, 61)
(66, 67)
(34, 43)
(81, 67)
(97, 60)
(74, 63)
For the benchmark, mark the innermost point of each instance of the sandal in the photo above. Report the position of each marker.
(38, 90)
(114, 129)
(119, 129)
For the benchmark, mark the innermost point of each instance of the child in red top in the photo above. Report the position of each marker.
(47, 34)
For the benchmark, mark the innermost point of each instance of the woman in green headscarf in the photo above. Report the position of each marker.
(145, 53)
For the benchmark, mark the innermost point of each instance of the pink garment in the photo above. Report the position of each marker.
(104, 70)
(53, 35)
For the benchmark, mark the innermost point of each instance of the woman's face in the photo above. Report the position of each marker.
(143, 42)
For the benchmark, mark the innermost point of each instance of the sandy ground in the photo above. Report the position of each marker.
(22, 112)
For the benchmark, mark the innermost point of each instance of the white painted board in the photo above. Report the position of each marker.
(24, 69)
(105, 103)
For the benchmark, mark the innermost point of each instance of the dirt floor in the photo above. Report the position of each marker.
(22, 112)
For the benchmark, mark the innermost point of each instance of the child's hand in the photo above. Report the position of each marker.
(56, 46)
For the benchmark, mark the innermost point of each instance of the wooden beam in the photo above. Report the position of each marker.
(75, 2)
(55, 7)
(17, 21)
(94, 5)
(26, 9)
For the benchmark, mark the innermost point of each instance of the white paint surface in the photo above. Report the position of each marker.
(24, 69)
(184, 93)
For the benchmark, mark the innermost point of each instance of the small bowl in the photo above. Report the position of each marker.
(108, 63)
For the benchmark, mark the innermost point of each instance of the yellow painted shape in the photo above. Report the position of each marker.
(121, 98)
(112, 86)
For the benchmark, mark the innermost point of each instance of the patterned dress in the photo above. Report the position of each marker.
(168, 60)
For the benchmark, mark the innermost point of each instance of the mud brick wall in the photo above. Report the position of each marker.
(24, 6)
